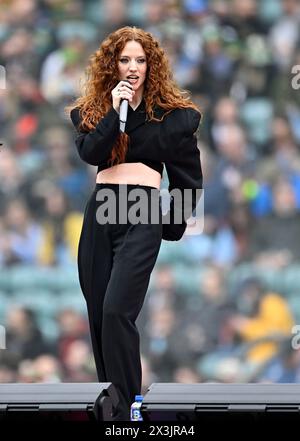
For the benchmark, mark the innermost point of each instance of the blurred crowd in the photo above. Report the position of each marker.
(221, 305)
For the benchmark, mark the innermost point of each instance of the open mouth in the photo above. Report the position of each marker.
(132, 79)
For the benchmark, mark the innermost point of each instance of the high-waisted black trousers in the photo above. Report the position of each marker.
(115, 261)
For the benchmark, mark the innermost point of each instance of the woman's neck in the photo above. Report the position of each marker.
(137, 100)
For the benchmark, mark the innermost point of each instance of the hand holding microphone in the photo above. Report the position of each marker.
(121, 94)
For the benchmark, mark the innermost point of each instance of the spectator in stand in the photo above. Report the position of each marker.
(23, 336)
(61, 230)
(72, 326)
(79, 363)
(62, 68)
(215, 245)
(9, 364)
(13, 179)
(186, 373)
(45, 368)
(262, 314)
(241, 222)
(22, 237)
(284, 367)
(234, 165)
(275, 237)
(161, 337)
(225, 113)
(210, 315)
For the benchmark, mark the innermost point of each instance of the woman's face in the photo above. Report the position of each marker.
(132, 62)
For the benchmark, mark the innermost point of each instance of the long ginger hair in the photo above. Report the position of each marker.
(160, 89)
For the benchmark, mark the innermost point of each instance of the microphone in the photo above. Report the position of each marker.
(123, 114)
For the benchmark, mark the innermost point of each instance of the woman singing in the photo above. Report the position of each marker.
(116, 257)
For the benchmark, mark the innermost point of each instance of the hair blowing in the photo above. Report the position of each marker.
(102, 76)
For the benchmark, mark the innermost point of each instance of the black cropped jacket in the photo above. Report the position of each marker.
(171, 142)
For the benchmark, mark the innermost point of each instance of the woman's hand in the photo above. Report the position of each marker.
(123, 90)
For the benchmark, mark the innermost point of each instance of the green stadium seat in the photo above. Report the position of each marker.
(171, 252)
(65, 278)
(72, 298)
(48, 327)
(23, 276)
(240, 273)
(49, 278)
(294, 304)
(187, 279)
(4, 305)
(290, 279)
(273, 280)
(5, 279)
(257, 114)
(42, 302)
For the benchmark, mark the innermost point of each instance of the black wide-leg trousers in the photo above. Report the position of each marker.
(115, 261)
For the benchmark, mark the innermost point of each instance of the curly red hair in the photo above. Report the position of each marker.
(102, 76)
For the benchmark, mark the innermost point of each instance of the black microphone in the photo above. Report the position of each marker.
(123, 112)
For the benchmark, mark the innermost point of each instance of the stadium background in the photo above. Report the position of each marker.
(221, 306)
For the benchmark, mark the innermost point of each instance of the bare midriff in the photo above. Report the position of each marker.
(130, 173)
